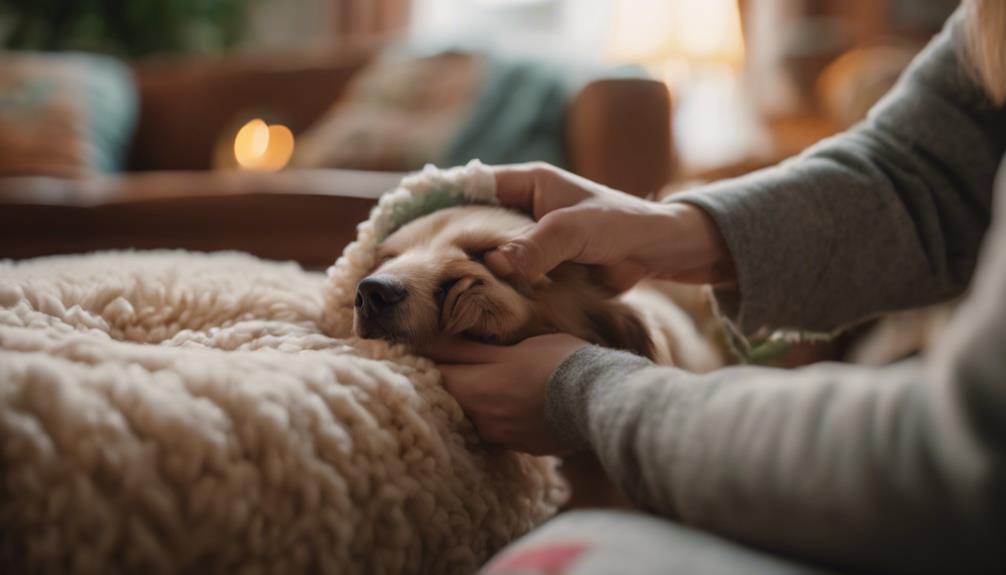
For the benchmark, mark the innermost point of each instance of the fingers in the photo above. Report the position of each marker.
(515, 186)
(455, 377)
(454, 350)
(553, 240)
(549, 243)
(465, 383)
(498, 264)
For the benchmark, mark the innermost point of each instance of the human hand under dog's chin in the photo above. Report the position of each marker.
(502, 388)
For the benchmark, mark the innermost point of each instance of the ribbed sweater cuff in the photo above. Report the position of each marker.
(578, 382)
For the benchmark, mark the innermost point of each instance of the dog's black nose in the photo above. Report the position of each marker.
(377, 294)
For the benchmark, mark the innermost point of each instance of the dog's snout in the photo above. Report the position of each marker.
(377, 294)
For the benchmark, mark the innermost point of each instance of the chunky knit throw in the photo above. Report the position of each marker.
(172, 412)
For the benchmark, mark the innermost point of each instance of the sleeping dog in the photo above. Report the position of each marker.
(430, 280)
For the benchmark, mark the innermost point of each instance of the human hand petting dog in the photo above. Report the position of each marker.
(502, 388)
(585, 222)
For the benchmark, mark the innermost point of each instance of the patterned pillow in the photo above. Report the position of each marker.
(397, 115)
(64, 114)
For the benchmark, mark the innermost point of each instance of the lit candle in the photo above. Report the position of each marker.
(261, 147)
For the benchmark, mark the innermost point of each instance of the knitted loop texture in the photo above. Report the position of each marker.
(419, 194)
(173, 412)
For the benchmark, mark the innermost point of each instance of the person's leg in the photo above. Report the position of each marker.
(610, 542)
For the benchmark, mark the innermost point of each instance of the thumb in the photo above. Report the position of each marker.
(554, 239)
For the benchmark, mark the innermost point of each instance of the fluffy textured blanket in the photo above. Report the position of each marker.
(177, 412)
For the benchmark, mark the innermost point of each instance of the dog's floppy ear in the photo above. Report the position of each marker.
(615, 325)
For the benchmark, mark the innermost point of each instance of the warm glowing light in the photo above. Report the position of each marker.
(710, 31)
(648, 31)
(640, 31)
(259, 146)
(251, 142)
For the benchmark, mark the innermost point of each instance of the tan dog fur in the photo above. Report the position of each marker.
(437, 259)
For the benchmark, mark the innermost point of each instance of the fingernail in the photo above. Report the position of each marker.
(498, 262)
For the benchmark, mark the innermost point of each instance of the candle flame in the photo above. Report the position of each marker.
(259, 146)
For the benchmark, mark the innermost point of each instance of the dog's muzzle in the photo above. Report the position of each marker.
(377, 297)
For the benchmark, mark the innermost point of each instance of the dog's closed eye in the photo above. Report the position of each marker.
(477, 255)
(443, 289)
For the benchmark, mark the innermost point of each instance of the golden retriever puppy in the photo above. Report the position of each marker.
(430, 280)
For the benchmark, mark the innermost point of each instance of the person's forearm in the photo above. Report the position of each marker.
(901, 469)
(863, 468)
(886, 216)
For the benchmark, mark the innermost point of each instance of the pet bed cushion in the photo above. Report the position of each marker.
(178, 412)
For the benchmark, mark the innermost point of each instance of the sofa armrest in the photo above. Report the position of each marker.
(306, 216)
(619, 134)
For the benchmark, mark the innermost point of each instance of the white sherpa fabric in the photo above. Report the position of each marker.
(169, 412)
(418, 194)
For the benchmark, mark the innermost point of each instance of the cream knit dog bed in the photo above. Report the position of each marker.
(176, 412)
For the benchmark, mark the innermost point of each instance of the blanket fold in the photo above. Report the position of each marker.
(172, 412)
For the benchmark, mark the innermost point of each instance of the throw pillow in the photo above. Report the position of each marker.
(397, 115)
(64, 114)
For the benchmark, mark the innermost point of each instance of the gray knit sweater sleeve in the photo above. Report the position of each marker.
(898, 469)
(885, 216)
